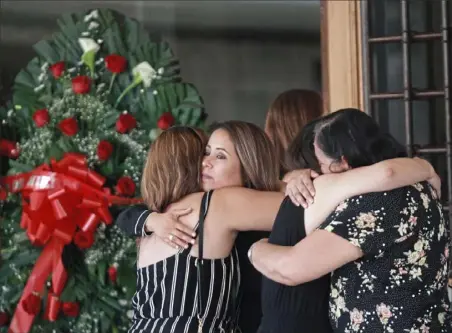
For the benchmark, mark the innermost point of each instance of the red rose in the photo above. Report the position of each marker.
(112, 274)
(9, 148)
(125, 123)
(165, 121)
(81, 84)
(3, 194)
(115, 63)
(68, 126)
(57, 69)
(71, 309)
(41, 117)
(4, 319)
(104, 150)
(83, 240)
(32, 304)
(125, 186)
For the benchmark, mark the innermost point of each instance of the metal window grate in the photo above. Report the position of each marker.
(381, 31)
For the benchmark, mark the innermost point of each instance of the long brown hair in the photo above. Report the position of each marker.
(173, 167)
(288, 114)
(259, 167)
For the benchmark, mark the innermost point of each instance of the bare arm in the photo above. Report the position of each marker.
(313, 257)
(242, 209)
(337, 244)
(332, 189)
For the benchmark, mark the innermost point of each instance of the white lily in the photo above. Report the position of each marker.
(88, 45)
(142, 73)
(145, 72)
(90, 48)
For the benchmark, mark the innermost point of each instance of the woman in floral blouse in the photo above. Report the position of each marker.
(388, 251)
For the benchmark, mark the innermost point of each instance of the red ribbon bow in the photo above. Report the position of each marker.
(59, 201)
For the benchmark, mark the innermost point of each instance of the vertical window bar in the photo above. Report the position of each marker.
(365, 19)
(448, 123)
(407, 76)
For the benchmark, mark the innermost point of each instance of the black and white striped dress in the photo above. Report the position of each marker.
(167, 291)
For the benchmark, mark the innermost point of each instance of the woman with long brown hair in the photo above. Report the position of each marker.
(237, 154)
(286, 117)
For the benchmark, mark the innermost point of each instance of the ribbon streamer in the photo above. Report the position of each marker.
(59, 200)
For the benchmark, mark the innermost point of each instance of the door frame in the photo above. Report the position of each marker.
(341, 55)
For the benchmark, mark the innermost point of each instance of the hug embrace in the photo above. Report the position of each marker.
(362, 248)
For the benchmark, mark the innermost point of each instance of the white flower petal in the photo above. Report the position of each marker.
(88, 45)
(92, 15)
(93, 25)
(145, 71)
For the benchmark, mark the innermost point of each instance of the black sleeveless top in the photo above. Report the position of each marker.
(166, 297)
(298, 309)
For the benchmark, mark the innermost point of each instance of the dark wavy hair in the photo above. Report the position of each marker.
(352, 135)
(300, 153)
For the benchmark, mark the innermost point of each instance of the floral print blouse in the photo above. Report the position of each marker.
(399, 285)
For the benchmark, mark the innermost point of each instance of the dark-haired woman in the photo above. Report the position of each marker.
(388, 250)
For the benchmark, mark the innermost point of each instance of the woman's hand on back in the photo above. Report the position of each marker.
(435, 182)
(168, 228)
(300, 186)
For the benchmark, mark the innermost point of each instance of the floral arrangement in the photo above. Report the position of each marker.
(83, 115)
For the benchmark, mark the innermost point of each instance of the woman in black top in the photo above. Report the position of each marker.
(302, 308)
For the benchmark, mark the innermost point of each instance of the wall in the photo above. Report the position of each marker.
(239, 78)
(237, 67)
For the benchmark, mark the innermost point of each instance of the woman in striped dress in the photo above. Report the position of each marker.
(226, 163)
(167, 288)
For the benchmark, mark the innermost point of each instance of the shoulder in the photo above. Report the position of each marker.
(399, 196)
(192, 200)
(392, 197)
(289, 208)
(290, 215)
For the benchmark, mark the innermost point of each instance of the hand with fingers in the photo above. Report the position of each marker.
(435, 182)
(168, 227)
(300, 187)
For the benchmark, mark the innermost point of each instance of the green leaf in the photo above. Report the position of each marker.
(102, 272)
(68, 294)
(55, 152)
(109, 310)
(45, 49)
(64, 144)
(110, 119)
(106, 324)
(45, 99)
(110, 301)
(107, 168)
(24, 78)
